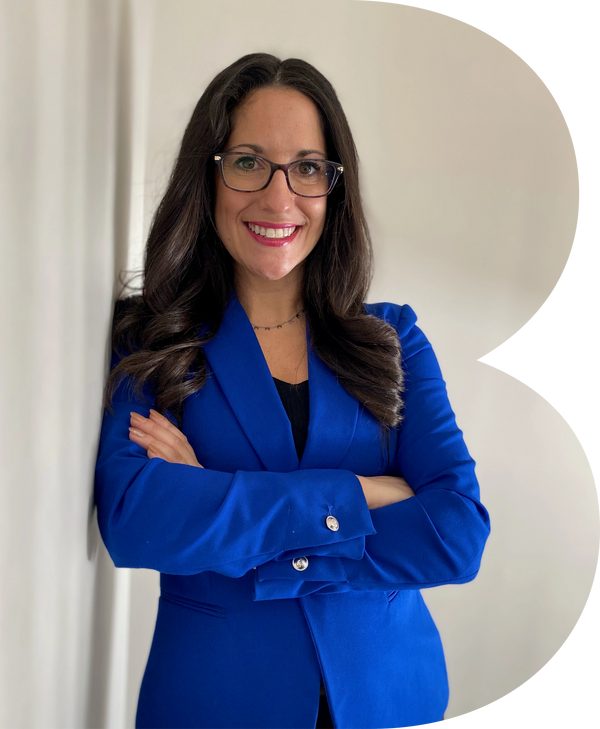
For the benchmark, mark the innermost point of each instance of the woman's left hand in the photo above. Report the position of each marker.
(161, 439)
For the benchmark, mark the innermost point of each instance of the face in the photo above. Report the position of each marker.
(282, 125)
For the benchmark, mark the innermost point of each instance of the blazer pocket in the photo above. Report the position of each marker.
(216, 611)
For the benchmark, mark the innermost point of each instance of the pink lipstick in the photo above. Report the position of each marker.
(272, 242)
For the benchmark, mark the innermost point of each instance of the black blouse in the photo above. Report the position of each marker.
(296, 404)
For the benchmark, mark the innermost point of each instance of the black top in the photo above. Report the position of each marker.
(295, 402)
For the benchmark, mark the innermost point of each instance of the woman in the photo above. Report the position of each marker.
(315, 478)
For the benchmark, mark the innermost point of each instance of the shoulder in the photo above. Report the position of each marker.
(400, 316)
(416, 348)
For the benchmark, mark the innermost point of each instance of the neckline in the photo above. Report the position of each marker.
(291, 384)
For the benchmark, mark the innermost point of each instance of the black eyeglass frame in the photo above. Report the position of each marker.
(337, 171)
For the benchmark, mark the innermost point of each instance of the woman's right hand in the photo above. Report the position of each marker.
(383, 490)
(161, 439)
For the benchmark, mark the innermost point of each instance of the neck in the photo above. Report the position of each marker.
(268, 303)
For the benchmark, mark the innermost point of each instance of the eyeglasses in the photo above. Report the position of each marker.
(246, 172)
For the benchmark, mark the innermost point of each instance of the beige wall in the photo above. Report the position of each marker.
(470, 185)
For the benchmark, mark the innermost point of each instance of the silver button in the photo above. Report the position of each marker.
(332, 523)
(300, 563)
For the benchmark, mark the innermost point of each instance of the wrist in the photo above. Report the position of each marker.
(369, 488)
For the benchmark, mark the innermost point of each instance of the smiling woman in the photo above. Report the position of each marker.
(284, 125)
(240, 453)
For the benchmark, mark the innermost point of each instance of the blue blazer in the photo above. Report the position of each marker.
(259, 596)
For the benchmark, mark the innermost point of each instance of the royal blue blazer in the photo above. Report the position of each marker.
(244, 633)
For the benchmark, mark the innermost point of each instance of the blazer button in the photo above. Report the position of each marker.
(332, 523)
(300, 563)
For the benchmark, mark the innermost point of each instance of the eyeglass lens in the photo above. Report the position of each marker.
(248, 173)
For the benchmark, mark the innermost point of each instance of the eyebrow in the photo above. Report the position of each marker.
(259, 150)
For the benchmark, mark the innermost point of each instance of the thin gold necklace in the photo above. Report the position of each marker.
(278, 326)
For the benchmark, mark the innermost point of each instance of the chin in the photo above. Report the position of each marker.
(274, 274)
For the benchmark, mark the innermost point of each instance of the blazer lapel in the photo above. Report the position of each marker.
(242, 372)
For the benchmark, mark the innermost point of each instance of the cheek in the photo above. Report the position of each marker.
(224, 213)
(317, 214)
(322, 214)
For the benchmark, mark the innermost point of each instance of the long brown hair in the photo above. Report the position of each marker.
(188, 273)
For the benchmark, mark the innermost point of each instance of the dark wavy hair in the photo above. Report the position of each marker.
(188, 273)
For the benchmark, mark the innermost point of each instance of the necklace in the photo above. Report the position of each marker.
(278, 326)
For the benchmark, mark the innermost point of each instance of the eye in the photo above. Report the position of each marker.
(247, 163)
(309, 168)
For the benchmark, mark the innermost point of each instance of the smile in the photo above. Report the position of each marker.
(277, 232)
(273, 235)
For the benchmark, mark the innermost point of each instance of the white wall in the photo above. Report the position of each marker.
(470, 184)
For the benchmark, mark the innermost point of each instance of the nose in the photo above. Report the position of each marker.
(277, 196)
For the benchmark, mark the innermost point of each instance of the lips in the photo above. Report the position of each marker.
(268, 224)
(272, 242)
(272, 230)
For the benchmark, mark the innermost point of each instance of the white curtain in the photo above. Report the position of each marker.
(72, 100)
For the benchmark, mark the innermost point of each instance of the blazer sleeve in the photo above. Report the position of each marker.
(436, 537)
(182, 519)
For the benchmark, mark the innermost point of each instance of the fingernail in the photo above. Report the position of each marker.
(137, 432)
(137, 416)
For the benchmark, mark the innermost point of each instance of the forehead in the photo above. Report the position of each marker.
(279, 119)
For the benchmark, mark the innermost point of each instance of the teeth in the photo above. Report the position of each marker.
(272, 232)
